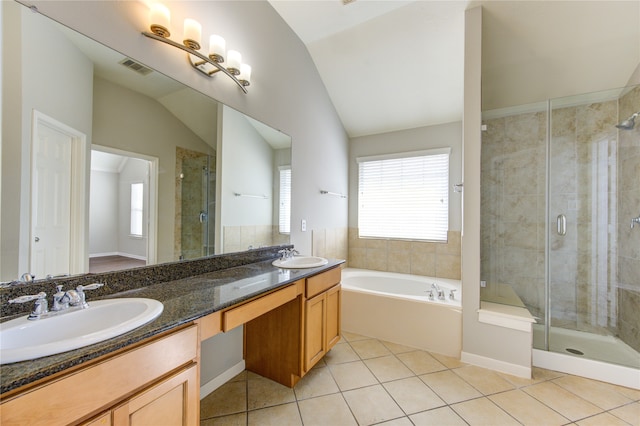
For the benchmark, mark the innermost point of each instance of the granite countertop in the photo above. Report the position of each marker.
(184, 300)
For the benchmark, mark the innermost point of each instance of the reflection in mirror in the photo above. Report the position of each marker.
(195, 204)
(123, 106)
(122, 206)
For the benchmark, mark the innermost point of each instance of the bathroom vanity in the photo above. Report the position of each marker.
(151, 375)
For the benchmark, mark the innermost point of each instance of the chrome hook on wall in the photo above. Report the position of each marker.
(634, 221)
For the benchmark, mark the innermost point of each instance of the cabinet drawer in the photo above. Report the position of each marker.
(321, 282)
(101, 385)
(251, 310)
(210, 325)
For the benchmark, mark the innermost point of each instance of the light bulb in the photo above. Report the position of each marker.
(159, 20)
(217, 48)
(245, 75)
(192, 33)
(234, 61)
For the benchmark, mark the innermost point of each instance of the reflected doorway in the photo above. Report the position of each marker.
(122, 210)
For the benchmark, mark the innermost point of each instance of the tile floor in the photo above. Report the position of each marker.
(364, 381)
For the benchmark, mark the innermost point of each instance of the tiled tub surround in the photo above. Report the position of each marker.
(432, 259)
(513, 214)
(188, 290)
(331, 243)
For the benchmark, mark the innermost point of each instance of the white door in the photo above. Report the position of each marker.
(53, 203)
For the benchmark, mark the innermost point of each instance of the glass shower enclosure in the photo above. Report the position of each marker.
(560, 202)
(195, 204)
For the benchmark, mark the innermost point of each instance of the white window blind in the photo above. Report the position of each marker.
(404, 196)
(284, 214)
(137, 197)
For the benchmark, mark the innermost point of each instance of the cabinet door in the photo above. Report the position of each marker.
(333, 316)
(315, 330)
(172, 402)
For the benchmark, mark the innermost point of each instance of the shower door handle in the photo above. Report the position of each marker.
(562, 224)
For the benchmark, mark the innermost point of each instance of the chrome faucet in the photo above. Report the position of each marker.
(438, 290)
(63, 301)
(41, 306)
(287, 253)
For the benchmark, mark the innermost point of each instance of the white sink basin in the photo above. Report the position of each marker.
(21, 339)
(298, 262)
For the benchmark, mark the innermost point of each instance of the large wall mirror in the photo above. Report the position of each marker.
(121, 166)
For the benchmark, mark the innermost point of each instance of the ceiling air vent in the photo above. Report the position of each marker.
(135, 66)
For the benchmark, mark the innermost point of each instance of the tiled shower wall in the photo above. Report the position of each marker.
(188, 234)
(594, 273)
(512, 206)
(628, 271)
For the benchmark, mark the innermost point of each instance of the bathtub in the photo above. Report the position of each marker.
(396, 308)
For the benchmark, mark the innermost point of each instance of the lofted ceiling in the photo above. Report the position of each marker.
(392, 65)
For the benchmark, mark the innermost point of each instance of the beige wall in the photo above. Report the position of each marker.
(412, 257)
(482, 344)
(55, 93)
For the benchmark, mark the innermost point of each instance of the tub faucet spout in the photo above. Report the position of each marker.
(438, 290)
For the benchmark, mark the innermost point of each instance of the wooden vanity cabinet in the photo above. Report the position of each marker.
(127, 388)
(322, 316)
(157, 382)
(173, 401)
(288, 341)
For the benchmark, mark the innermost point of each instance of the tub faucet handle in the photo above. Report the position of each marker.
(451, 294)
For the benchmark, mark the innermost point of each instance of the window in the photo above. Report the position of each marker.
(137, 197)
(284, 213)
(404, 196)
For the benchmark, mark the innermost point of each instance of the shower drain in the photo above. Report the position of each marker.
(574, 351)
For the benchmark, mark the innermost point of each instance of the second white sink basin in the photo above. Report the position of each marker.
(21, 339)
(298, 262)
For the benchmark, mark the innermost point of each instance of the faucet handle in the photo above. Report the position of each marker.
(451, 294)
(80, 290)
(29, 298)
(41, 306)
(89, 286)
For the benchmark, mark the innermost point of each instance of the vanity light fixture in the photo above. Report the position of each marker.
(160, 20)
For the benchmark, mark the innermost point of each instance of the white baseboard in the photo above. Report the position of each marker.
(497, 365)
(221, 379)
(111, 253)
(117, 253)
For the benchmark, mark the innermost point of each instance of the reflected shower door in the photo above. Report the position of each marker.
(195, 204)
